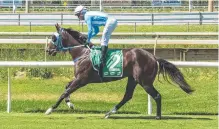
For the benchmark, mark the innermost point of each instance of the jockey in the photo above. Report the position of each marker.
(94, 20)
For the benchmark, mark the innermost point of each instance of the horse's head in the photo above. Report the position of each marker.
(64, 39)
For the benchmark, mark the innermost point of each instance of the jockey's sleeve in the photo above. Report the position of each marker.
(96, 31)
(90, 29)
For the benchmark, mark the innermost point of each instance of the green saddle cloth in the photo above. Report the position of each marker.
(114, 61)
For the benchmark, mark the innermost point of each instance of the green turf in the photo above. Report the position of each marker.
(32, 97)
(36, 95)
(120, 28)
(96, 121)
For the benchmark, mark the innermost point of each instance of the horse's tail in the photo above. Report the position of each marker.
(167, 68)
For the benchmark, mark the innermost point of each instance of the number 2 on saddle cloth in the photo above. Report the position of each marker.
(114, 62)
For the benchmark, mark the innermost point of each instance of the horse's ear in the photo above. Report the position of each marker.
(57, 27)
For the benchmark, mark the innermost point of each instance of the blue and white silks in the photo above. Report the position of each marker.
(94, 20)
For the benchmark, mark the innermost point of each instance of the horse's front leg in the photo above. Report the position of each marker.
(67, 99)
(71, 88)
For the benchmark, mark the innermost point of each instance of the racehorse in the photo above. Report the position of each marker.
(140, 66)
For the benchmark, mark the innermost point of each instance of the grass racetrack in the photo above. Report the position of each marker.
(96, 121)
(31, 97)
(119, 28)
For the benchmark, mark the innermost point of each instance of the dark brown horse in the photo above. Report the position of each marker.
(140, 66)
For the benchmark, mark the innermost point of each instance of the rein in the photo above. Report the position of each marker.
(60, 46)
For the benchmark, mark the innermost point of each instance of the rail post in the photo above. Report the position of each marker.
(149, 97)
(184, 54)
(135, 26)
(200, 18)
(46, 47)
(19, 19)
(30, 27)
(188, 27)
(174, 52)
(61, 18)
(9, 92)
(79, 24)
(152, 19)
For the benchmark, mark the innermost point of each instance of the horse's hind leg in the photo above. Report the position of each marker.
(67, 99)
(156, 96)
(72, 87)
(128, 95)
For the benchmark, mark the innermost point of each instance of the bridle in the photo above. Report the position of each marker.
(59, 45)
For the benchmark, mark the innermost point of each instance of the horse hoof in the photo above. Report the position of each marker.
(158, 117)
(106, 116)
(49, 111)
(70, 105)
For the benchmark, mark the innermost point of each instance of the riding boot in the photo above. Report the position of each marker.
(102, 60)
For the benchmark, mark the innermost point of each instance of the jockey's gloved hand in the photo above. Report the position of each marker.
(86, 43)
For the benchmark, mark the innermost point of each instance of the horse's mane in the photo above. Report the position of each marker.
(81, 38)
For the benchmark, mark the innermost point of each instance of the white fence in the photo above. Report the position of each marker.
(114, 41)
(9, 64)
(123, 18)
(118, 33)
(41, 38)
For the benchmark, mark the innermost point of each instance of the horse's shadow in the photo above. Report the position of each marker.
(79, 111)
(172, 117)
(195, 113)
(162, 118)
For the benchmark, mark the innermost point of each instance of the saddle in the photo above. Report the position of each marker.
(114, 61)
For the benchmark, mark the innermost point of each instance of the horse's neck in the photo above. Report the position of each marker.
(77, 52)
